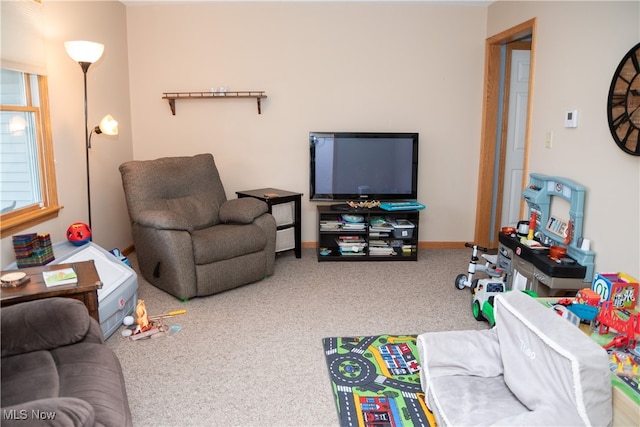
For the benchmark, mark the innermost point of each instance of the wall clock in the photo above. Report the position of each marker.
(623, 104)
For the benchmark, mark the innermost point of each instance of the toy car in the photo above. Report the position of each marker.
(484, 291)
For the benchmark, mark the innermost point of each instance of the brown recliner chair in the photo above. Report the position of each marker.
(190, 240)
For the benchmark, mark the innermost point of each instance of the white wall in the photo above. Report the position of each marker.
(578, 47)
(325, 67)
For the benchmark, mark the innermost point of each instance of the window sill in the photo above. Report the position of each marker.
(21, 222)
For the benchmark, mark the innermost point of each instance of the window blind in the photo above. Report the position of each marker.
(22, 45)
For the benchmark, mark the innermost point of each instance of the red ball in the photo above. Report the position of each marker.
(79, 233)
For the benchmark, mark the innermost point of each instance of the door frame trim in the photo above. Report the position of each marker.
(485, 233)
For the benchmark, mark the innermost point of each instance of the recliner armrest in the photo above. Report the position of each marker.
(164, 220)
(243, 210)
(43, 325)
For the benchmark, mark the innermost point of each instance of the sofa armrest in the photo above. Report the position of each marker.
(43, 325)
(243, 210)
(164, 220)
(449, 353)
(51, 412)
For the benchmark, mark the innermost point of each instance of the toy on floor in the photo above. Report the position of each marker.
(146, 326)
(585, 305)
(490, 268)
(483, 290)
(627, 329)
(483, 294)
(625, 365)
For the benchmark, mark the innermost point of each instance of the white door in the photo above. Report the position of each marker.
(516, 130)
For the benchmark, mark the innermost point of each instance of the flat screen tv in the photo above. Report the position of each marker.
(356, 166)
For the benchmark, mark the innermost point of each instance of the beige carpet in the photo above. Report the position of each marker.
(253, 356)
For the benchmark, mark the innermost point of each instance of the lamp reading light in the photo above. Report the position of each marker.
(108, 125)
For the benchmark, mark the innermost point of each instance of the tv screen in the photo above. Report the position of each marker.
(363, 166)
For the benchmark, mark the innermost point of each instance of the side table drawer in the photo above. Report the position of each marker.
(285, 239)
(284, 213)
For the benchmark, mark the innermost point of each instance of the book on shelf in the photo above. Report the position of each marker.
(380, 224)
(378, 234)
(65, 276)
(351, 238)
(330, 225)
(381, 251)
(359, 242)
(344, 251)
(354, 226)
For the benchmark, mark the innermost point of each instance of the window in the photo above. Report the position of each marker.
(28, 194)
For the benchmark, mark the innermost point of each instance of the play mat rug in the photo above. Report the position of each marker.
(376, 381)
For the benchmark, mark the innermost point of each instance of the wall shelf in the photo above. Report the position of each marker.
(172, 96)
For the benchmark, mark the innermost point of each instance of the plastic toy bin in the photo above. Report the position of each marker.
(119, 294)
(403, 229)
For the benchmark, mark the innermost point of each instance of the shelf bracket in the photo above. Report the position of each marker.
(259, 108)
(172, 105)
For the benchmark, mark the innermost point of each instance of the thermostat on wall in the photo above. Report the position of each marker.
(571, 119)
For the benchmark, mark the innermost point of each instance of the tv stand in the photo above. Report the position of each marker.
(367, 240)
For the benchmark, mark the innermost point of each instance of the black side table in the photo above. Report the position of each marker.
(285, 206)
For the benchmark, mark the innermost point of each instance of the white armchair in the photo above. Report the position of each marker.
(532, 369)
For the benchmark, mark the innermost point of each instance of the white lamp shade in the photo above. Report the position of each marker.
(84, 51)
(108, 125)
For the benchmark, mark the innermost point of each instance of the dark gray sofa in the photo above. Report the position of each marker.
(56, 369)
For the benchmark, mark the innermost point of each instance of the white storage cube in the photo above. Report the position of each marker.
(284, 213)
(285, 239)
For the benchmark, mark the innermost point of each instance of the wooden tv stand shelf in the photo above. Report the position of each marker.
(362, 243)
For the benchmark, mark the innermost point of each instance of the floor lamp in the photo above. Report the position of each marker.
(86, 53)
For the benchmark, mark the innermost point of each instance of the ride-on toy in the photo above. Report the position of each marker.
(484, 290)
(489, 268)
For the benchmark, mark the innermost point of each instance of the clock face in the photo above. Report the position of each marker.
(623, 105)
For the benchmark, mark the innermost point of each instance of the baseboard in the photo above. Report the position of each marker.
(313, 245)
(129, 249)
(441, 245)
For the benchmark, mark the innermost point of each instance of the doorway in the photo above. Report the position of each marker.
(495, 130)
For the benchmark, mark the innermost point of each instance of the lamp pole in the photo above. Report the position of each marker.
(85, 67)
(85, 53)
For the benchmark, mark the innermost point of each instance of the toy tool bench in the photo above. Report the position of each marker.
(557, 204)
